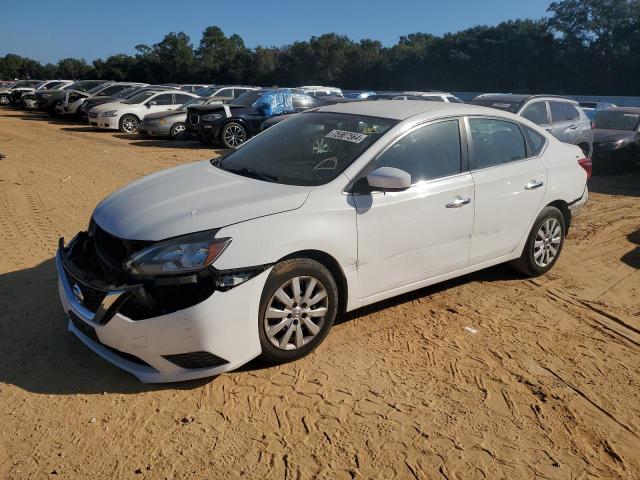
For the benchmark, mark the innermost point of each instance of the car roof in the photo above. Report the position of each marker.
(518, 97)
(624, 109)
(404, 109)
(425, 93)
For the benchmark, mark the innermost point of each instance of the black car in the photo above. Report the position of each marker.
(47, 100)
(235, 123)
(331, 100)
(616, 141)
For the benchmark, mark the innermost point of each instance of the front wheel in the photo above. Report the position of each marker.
(5, 99)
(544, 244)
(129, 123)
(178, 131)
(233, 135)
(298, 306)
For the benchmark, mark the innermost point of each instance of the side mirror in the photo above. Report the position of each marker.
(389, 179)
(152, 102)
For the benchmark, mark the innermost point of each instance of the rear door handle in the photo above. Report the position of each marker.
(458, 202)
(533, 184)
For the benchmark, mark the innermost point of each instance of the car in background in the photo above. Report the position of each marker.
(591, 108)
(235, 123)
(90, 103)
(357, 94)
(319, 91)
(560, 116)
(434, 96)
(172, 123)
(192, 88)
(322, 101)
(616, 142)
(28, 100)
(6, 94)
(225, 93)
(48, 101)
(127, 116)
(74, 100)
(196, 270)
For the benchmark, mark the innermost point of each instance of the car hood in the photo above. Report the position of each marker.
(165, 114)
(605, 136)
(191, 198)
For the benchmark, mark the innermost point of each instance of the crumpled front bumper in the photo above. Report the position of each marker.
(225, 325)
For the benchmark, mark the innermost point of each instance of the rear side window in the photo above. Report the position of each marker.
(181, 98)
(536, 141)
(433, 98)
(496, 142)
(430, 152)
(225, 92)
(558, 112)
(537, 113)
(572, 113)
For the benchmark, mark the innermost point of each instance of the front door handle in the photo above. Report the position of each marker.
(458, 202)
(573, 127)
(533, 184)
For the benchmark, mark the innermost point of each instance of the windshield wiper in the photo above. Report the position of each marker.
(251, 173)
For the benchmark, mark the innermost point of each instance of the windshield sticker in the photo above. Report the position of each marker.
(501, 105)
(352, 137)
(631, 115)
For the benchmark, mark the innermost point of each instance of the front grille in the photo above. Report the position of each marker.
(90, 332)
(194, 360)
(92, 297)
(194, 119)
(93, 114)
(116, 249)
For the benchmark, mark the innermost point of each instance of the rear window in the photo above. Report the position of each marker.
(506, 105)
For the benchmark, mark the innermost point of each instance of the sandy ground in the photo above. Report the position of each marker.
(548, 387)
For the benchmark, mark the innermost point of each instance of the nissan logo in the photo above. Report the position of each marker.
(77, 293)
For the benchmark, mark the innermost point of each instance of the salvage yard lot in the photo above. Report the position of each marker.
(548, 386)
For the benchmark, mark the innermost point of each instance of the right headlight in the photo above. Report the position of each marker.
(211, 117)
(185, 254)
(110, 113)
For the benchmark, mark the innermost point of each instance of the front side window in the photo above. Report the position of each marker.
(537, 113)
(139, 98)
(164, 99)
(429, 152)
(558, 112)
(496, 142)
(432, 98)
(310, 148)
(182, 98)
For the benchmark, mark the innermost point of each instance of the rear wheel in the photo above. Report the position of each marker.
(129, 123)
(178, 131)
(5, 99)
(544, 244)
(298, 306)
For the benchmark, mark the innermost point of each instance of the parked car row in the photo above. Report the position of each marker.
(230, 115)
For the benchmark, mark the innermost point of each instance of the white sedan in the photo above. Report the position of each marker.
(196, 270)
(127, 115)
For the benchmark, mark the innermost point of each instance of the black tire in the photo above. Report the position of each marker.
(233, 134)
(178, 131)
(5, 100)
(527, 263)
(306, 269)
(129, 123)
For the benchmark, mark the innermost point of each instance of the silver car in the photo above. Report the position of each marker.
(171, 123)
(560, 116)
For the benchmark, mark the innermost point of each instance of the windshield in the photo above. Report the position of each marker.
(139, 98)
(247, 99)
(611, 120)
(453, 99)
(506, 105)
(310, 148)
(95, 89)
(126, 92)
(22, 84)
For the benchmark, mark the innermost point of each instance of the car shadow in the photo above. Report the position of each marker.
(39, 355)
(632, 258)
(142, 141)
(627, 184)
(86, 129)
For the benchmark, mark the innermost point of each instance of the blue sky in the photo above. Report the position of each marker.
(48, 31)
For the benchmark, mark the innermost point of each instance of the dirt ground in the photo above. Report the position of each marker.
(548, 387)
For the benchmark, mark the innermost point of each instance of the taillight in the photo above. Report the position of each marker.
(593, 124)
(587, 164)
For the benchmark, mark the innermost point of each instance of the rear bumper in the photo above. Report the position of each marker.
(224, 325)
(576, 206)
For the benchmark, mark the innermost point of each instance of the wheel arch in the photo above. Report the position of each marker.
(566, 213)
(334, 268)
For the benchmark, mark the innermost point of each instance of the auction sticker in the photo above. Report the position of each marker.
(352, 137)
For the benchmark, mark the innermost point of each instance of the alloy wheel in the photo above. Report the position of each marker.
(234, 135)
(4, 100)
(547, 242)
(296, 313)
(129, 124)
(178, 130)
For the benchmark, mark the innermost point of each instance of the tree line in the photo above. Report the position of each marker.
(582, 47)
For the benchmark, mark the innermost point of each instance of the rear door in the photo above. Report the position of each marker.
(510, 181)
(563, 128)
